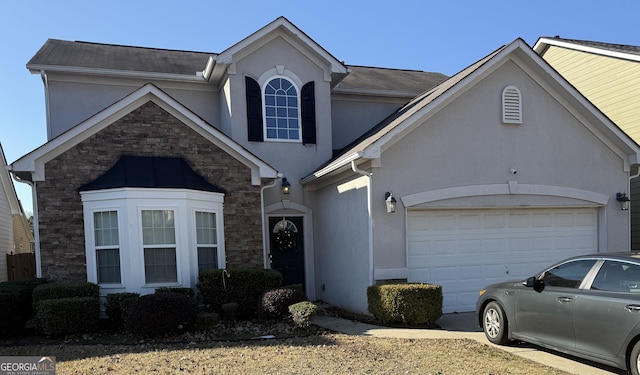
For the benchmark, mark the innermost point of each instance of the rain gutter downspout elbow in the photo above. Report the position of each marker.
(359, 171)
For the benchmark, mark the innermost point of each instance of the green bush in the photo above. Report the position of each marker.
(408, 303)
(206, 321)
(117, 307)
(241, 285)
(161, 314)
(186, 291)
(16, 306)
(68, 315)
(274, 303)
(57, 290)
(302, 312)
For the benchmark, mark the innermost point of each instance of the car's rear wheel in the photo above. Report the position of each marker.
(634, 359)
(494, 323)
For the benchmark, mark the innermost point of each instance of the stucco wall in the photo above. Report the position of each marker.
(353, 116)
(293, 160)
(72, 100)
(147, 131)
(343, 244)
(467, 144)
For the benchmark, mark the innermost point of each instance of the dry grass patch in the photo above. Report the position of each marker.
(325, 353)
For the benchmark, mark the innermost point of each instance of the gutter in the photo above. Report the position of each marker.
(36, 230)
(45, 81)
(265, 256)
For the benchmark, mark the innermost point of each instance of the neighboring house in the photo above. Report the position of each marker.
(609, 76)
(15, 234)
(274, 153)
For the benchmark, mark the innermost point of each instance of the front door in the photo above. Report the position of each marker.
(286, 252)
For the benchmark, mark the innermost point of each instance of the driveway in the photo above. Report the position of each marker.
(462, 325)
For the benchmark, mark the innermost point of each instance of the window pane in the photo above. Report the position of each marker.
(618, 277)
(205, 228)
(105, 226)
(108, 264)
(568, 275)
(158, 227)
(160, 265)
(281, 106)
(207, 258)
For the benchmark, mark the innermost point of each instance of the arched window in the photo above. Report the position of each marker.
(282, 110)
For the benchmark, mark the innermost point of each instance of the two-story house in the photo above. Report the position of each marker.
(274, 153)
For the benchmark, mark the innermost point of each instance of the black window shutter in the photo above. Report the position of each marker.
(254, 110)
(308, 113)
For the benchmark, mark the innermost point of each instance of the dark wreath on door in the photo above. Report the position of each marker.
(287, 248)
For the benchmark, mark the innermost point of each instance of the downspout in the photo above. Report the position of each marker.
(36, 231)
(45, 81)
(265, 229)
(369, 208)
(631, 177)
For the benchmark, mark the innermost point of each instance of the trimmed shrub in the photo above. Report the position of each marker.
(274, 303)
(10, 319)
(118, 305)
(206, 321)
(16, 306)
(161, 314)
(57, 290)
(68, 315)
(407, 303)
(241, 285)
(186, 291)
(302, 312)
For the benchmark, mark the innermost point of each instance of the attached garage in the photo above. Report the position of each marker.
(465, 250)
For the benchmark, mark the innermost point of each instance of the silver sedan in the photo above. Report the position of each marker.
(587, 306)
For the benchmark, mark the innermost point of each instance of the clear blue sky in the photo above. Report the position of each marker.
(439, 36)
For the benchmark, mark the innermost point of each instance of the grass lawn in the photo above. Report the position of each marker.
(228, 349)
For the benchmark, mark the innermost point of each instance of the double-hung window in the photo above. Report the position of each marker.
(107, 246)
(159, 243)
(206, 240)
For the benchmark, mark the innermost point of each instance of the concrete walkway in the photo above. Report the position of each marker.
(463, 326)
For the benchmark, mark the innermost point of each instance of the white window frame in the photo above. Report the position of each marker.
(264, 110)
(220, 245)
(175, 245)
(129, 203)
(97, 248)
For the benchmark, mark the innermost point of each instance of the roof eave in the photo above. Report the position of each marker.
(542, 44)
(196, 77)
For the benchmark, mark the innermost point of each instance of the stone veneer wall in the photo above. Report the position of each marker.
(146, 131)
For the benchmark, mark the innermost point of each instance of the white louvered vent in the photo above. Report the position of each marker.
(511, 105)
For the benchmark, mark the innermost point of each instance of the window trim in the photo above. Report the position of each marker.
(219, 220)
(129, 202)
(97, 248)
(263, 87)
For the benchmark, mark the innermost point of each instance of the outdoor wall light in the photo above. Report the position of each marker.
(623, 200)
(390, 201)
(285, 186)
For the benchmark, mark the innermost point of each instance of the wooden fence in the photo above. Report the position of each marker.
(21, 266)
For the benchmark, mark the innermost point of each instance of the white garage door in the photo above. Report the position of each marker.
(465, 250)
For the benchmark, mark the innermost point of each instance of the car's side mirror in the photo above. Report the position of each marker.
(532, 282)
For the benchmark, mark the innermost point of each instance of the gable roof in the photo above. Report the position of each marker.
(400, 123)
(606, 49)
(96, 58)
(366, 80)
(31, 166)
(280, 27)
